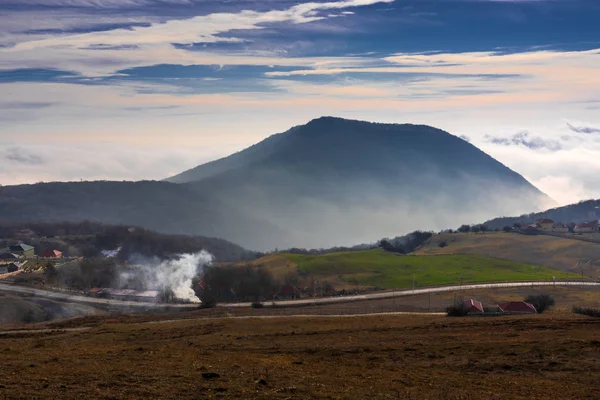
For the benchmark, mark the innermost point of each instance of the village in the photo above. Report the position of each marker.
(548, 225)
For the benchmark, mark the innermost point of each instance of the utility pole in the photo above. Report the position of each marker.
(414, 273)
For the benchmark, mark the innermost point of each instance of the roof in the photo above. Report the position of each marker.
(584, 225)
(530, 228)
(518, 306)
(20, 247)
(473, 306)
(7, 255)
(51, 253)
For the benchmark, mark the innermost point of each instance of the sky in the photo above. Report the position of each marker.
(144, 89)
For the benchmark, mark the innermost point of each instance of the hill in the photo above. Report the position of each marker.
(89, 239)
(329, 182)
(548, 251)
(378, 268)
(584, 211)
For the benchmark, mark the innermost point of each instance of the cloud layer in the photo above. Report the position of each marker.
(132, 89)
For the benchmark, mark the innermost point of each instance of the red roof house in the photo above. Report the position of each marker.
(518, 307)
(51, 254)
(473, 306)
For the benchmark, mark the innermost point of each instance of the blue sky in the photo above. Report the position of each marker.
(141, 89)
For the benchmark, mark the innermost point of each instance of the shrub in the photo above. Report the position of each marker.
(541, 302)
(208, 300)
(457, 310)
(443, 244)
(590, 312)
(257, 304)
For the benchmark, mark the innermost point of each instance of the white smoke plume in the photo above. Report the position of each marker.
(175, 274)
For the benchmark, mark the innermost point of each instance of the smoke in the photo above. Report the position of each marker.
(173, 275)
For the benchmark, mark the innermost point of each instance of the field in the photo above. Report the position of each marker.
(548, 251)
(377, 268)
(552, 356)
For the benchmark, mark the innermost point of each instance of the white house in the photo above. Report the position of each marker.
(585, 227)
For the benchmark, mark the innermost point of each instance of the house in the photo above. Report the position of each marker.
(22, 250)
(530, 228)
(518, 307)
(289, 292)
(585, 227)
(473, 306)
(560, 227)
(6, 255)
(10, 267)
(545, 224)
(51, 254)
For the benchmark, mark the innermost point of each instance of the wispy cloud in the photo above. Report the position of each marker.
(583, 129)
(91, 3)
(525, 139)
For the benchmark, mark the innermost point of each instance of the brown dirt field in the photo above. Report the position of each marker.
(551, 356)
(548, 251)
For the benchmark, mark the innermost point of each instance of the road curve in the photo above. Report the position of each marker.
(283, 303)
(404, 293)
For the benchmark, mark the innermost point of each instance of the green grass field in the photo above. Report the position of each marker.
(388, 270)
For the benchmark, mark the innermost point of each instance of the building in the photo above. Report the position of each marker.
(11, 267)
(530, 228)
(20, 249)
(473, 306)
(585, 227)
(560, 227)
(545, 224)
(51, 254)
(6, 255)
(518, 307)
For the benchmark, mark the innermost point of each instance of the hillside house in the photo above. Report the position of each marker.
(51, 254)
(10, 267)
(530, 228)
(21, 249)
(560, 228)
(6, 255)
(585, 227)
(518, 307)
(545, 224)
(473, 306)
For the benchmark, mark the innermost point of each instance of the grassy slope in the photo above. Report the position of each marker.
(384, 269)
(548, 251)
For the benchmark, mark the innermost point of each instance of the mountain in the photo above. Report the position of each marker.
(584, 211)
(329, 182)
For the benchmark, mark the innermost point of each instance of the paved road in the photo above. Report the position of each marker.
(404, 293)
(22, 290)
(325, 300)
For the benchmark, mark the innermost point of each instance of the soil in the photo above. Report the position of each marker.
(548, 356)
